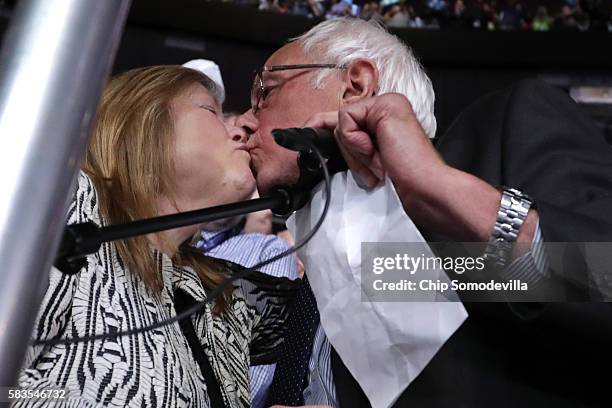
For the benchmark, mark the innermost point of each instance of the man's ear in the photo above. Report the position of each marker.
(361, 80)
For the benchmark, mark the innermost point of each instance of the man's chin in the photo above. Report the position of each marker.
(266, 182)
(253, 167)
(263, 186)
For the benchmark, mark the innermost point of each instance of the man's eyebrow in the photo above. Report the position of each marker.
(271, 75)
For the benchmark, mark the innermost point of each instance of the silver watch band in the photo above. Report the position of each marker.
(513, 209)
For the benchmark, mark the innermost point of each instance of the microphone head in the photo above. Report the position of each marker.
(296, 139)
(304, 140)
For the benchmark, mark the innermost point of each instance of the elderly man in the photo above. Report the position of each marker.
(294, 73)
(510, 355)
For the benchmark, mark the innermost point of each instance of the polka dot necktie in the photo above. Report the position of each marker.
(290, 376)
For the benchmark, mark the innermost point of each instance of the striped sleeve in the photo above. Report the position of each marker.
(532, 267)
(321, 389)
(261, 378)
(285, 266)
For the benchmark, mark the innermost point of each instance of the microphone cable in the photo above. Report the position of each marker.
(216, 291)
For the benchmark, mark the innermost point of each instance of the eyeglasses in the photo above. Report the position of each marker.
(259, 92)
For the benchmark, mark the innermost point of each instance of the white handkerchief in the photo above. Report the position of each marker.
(385, 345)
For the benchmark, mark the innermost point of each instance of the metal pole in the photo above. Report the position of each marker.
(54, 61)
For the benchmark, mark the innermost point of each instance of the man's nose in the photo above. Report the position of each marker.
(248, 122)
(237, 134)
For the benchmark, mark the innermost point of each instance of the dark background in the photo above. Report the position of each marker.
(463, 64)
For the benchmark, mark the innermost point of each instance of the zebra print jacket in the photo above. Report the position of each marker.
(155, 368)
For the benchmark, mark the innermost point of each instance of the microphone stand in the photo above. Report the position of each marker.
(86, 238)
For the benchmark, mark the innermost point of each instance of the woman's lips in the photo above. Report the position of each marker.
(243, 148)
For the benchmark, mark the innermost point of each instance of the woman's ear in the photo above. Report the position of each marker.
(361, 80)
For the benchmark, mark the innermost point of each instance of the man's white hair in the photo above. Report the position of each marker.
(343, 40)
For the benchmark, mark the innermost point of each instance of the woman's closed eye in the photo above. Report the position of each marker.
(210, 109)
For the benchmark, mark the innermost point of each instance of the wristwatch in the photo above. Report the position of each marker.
(513, 209)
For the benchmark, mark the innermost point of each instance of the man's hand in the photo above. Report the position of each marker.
(363, 159)
(381, 135)
(384, 131)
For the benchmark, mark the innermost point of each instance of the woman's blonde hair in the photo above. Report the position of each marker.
(131, 162)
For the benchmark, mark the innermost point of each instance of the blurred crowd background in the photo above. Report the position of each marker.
(536, 15)
(468, 47)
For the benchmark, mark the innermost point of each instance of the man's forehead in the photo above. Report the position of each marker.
(291, 53)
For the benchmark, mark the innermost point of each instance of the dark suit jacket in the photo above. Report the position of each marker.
(532, 137)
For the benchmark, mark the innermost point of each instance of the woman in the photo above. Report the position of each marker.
(159, 146)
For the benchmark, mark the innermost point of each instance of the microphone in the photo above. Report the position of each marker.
(303, 139)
